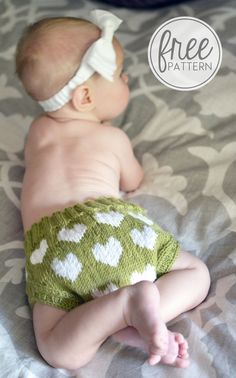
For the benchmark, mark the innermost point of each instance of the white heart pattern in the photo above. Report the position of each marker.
(38, 254)
(113, 218)
(149, 274)
(74, 234)
(141, 217)
(109, 289)
(69, 268)
(109, 253)
(145, 238)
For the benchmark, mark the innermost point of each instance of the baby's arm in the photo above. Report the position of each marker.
(131, 172)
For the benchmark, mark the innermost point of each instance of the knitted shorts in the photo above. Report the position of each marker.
(91, 249)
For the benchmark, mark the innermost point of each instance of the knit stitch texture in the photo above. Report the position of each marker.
(91, 249)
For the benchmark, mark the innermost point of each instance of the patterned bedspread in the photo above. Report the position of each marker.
(186, 142)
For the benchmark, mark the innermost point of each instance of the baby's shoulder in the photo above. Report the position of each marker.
(41, 130)
(40, 135)
(113, 134)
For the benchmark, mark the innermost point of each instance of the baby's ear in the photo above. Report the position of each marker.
(82, 98)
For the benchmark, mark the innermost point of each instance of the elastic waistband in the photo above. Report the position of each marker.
(62, 218)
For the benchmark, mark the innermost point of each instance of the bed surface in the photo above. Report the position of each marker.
(186, 142)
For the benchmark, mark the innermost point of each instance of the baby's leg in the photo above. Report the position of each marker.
(70, 339)
(182, 289)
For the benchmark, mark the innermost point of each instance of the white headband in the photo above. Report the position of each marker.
(100, 57)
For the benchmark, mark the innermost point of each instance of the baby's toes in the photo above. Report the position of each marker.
(182, 344)
(183, 350)
(179, 338)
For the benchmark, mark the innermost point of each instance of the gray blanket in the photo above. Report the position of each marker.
(186, 142)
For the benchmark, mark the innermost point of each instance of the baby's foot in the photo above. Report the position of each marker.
(143, 313)
(177, 353)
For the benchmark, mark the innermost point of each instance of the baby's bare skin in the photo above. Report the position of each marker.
(72, 155)
(68, 163)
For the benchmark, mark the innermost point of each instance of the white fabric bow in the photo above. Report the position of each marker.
(100, 57)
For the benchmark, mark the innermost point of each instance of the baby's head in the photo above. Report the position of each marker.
(50, 52)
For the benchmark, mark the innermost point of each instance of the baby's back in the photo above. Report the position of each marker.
(66, 163)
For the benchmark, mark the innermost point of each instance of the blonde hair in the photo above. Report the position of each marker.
(50, 51)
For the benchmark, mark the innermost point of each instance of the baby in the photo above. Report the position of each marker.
(96, 266)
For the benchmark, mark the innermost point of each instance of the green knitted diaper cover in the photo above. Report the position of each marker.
(91, 249)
